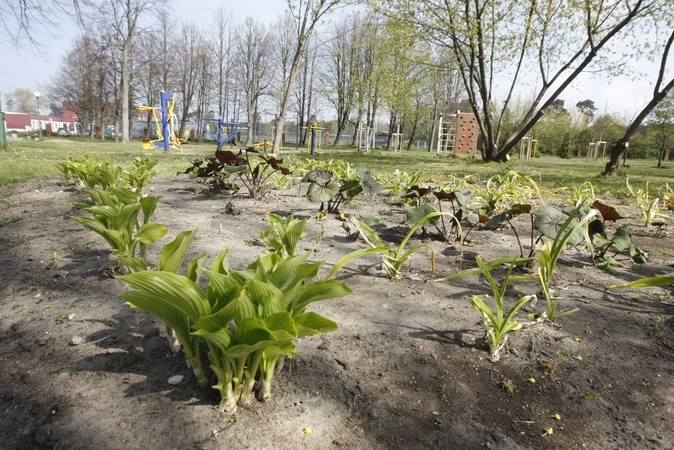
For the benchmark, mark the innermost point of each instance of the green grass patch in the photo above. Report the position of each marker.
(25, 159)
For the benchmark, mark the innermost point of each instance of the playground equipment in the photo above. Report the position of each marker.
(457, 134)
(166, 133)
(527, 144)
(593, 152)
(233, 129)
(314, 142)
(366, 138)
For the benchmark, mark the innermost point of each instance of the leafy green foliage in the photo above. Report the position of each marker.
(323, 188)
(90, 174)
(253, 169)
(248, 318)
(115, 217)
(283, 238)
(500, 191)
(549, 253)
(500, 322)
(392, 258)
(620, 242)
(141, 173)
(399, 182)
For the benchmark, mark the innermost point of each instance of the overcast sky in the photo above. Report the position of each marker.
(26, 68)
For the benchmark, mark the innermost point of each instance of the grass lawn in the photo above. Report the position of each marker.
(25, 159)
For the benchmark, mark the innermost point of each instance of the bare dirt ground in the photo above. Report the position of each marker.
(406, 370)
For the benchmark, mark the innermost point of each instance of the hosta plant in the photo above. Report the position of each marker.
(391, 258)
(141, 173)
(115, 217)
(90, 174)
(248, 318)
(548, 254)
(618, 243)
(332, 193)
(450, 229)
(500, 322)
(283, 238)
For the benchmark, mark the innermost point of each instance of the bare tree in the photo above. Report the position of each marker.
(192, 48)
(307, 14)
(341, 69)
(20, 19)
(660, 92)
(499, 46)
(223, 41)
(124, 17)
(253, 68)
(81, 85)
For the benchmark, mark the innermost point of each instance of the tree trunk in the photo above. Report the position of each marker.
(125, 91)
(620, 146)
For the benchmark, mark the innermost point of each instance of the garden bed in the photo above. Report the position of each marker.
(407, 369)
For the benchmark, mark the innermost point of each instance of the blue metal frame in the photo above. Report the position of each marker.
(218, 138)
(165, 98)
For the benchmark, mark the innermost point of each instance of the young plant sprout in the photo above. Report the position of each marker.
(500, 322)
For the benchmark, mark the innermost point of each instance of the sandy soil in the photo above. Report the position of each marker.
(406, 370)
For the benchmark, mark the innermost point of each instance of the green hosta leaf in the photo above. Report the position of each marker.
(196, 267)
(621, 240)
(638, 256)
(414, 215)
(126, 220)
(124, 195)
(310, 323)
(175, 290)
(287, 269)
(107, 213)
(321, 290)
(221, 338)
(282, 326)
(224, 316)
(113, 237)
(250, 336)
(174, 317)
(647, 282)
(284, 348)
(135, 264)
(221, 262)
(151, 233)
(305, 272)
(172, 255)
(549, 222)
(318, 193)
(220, 283)
(265, 297)
(368, 183)
(148, 205)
